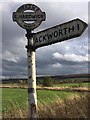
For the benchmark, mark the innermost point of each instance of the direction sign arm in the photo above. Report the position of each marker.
(59, 33)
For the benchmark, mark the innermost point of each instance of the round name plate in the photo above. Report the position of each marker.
(29, 20)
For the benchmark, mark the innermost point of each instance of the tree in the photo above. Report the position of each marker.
(48, 81)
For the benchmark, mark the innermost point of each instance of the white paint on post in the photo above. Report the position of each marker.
(32, 103)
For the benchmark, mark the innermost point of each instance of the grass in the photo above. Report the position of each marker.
(63, 105)
(19, 97)
(49, 96)
(16, 99)
(73, 107)
(72, 85)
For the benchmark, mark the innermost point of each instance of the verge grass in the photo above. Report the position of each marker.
(19, 97)
(75, 106)
(50, 103)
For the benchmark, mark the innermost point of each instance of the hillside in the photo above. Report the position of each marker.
(61, 78)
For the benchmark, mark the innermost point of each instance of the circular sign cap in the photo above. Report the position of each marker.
(20, 16)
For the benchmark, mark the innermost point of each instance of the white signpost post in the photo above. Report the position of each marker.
(55, 34)
(20, 17)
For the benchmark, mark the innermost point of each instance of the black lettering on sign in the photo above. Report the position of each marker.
(55, 34)
(40, 39)
(44, 38)
(77, 26)
(27, 6)
(36, 41)
(60, 32)
(71, 29)
(34, 8)
(65, 30)
(50, 35)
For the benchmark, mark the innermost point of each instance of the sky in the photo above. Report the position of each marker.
(68, 57)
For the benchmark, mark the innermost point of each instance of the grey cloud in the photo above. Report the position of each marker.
(64, 69)
(11, 68)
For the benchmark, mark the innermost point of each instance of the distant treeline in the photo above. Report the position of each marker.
(57, 78)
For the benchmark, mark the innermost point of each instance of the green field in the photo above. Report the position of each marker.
(18, 98)
(73, 85)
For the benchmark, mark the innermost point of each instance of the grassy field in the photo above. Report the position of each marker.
(16, 99)
(13, 97)
(19, 97)
(73, 85)
(50, 104)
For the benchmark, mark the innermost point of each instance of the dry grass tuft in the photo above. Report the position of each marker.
(73, 107)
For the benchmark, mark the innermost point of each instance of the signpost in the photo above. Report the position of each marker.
(59, 33)
(55, 34)
(20, 17)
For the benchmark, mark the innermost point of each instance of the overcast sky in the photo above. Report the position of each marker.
(68, 57)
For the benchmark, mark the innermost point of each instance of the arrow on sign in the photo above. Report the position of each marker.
(59, 33)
